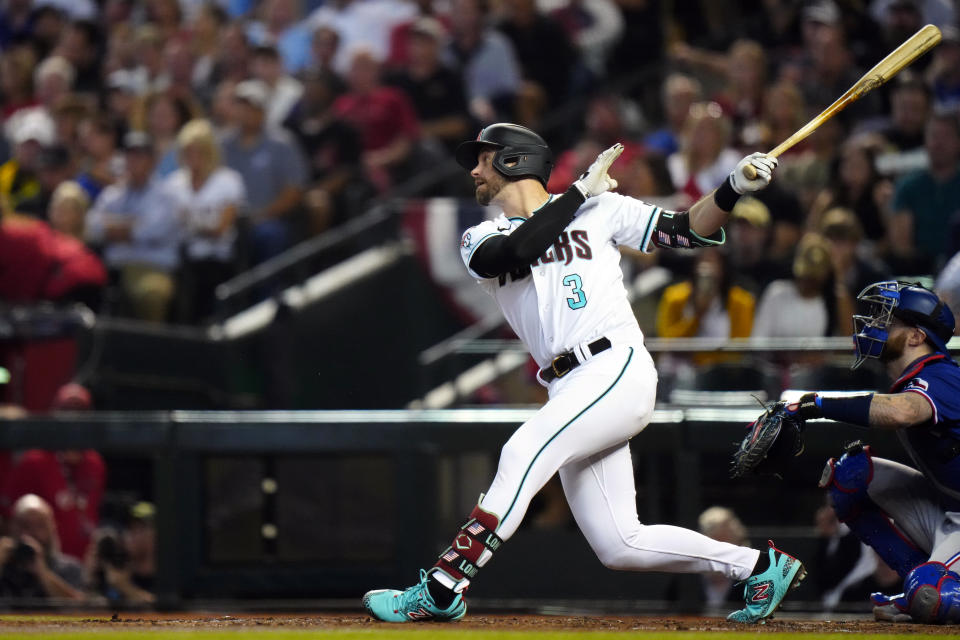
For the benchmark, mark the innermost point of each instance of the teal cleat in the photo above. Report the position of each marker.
(765, 591)
(413, 605)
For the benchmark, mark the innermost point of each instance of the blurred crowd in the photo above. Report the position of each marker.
(153, 149)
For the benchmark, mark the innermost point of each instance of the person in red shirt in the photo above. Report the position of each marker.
(39, 263)
(384, 116)
(72, 482)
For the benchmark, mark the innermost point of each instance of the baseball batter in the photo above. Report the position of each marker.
(552, 264)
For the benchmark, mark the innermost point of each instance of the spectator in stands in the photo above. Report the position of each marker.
(841, 561)
(273, 170)
(857, 185)
(486, 60)
(705, 157)
(162, 115)
(924, 201)
(609, 119)
(149, 72)
(285, 90)
(844, 235)
(121, 99)
(549, 63)
(812, 303)
(48, 23)
(783, 112)
(678, 94)
(71, 481)
(398, 55)
(721, 523)
(594, 26)
(208, 198)
(831, 72)
(54, 166)
(386, 121)
(943, 74)
(135, 224)
(67, 114)
(121, 563)
(80, 44)
(231, 56)
(68, 209)
(707, 305)
(338, 187)
(324, 47)
(38, 263)
(362, 25)
(909, 109)
(101, 162)
(748, 239)
(435, 91)
(32, 564)
(16, 22)
(52, 80)
(743, 94)
(207, 28)
(280, 27)
(178, 62)
(16, 80)
(29, 132)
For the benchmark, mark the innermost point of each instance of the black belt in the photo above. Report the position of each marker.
(567, 362)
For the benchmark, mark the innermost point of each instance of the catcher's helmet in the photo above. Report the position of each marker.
(911, 303)
(527, 153)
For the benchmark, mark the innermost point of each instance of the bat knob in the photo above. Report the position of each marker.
(749, 172)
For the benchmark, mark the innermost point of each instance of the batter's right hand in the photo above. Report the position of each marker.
(762, 165)
(595, 181)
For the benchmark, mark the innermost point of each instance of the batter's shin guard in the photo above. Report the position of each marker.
(847, 480)
(471, 549)
(933, 594)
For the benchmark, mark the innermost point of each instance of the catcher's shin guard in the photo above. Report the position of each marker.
(933, 594)
(471, 548)
(847, 480)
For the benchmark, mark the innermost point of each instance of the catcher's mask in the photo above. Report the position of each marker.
(520, 152)
(910, 303)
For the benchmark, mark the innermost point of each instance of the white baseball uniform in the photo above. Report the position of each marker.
(568, 298)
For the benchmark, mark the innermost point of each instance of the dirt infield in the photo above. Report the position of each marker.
(24, 622)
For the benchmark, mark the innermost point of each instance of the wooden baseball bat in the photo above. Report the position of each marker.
(913, 47)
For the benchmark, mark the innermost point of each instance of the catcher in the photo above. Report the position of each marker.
(910, 516)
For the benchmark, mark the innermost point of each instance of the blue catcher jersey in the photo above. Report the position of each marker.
(935, 445)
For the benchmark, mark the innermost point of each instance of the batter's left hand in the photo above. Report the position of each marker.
(762, 165)
(595, 181)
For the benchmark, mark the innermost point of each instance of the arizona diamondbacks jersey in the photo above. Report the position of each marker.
(574, 292)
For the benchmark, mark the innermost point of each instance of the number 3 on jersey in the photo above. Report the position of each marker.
(580, 297)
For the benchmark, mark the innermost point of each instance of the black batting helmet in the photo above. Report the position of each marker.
(527, 153)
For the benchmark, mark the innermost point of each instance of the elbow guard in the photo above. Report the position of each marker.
(673, 232)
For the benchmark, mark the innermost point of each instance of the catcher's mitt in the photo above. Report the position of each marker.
(771, 440)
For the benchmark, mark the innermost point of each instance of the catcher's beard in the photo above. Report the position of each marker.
(893, 348)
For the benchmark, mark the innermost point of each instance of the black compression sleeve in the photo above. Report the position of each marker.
(502, 254)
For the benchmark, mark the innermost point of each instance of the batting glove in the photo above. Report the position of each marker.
(595, 181)
(763, 165)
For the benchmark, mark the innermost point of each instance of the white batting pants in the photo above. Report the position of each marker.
(583, 432)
